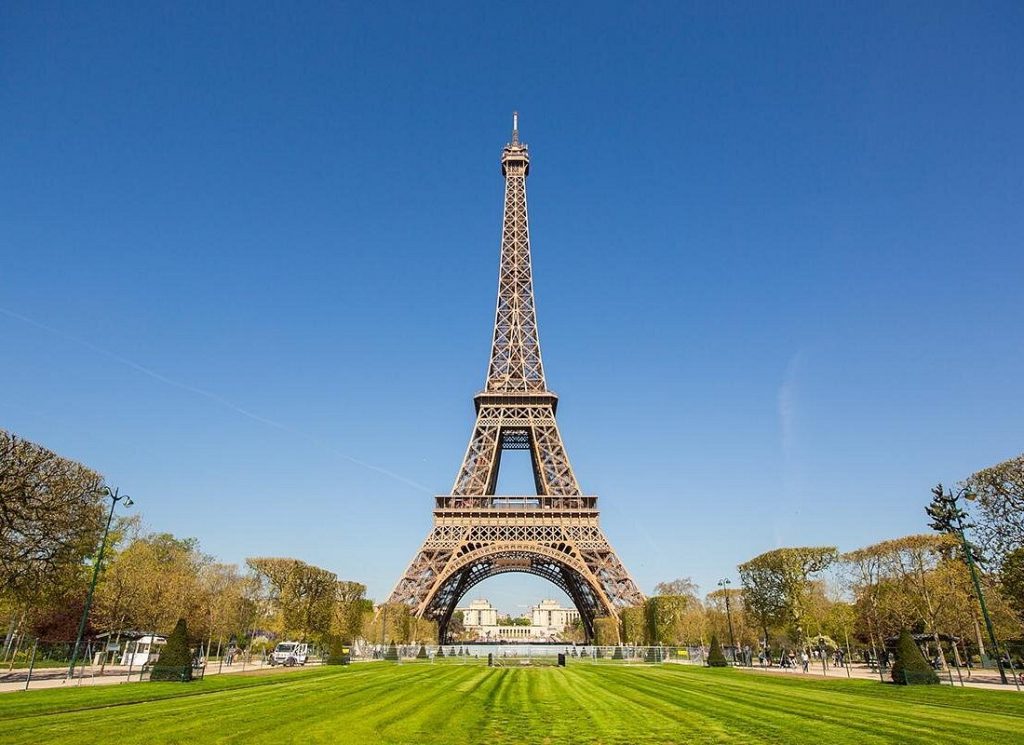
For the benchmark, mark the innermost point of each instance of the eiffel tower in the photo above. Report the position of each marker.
(554, 533)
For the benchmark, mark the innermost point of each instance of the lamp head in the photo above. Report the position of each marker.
(970, 496)
(127, 501)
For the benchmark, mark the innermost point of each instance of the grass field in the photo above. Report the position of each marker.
(451, 703)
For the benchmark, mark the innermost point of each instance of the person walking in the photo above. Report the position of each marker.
(804, 659)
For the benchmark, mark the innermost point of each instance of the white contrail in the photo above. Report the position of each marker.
(211, 396)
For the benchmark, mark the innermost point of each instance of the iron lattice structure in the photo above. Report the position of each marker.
(554, 533)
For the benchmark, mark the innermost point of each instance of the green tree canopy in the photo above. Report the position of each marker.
(776, 584)
(1000, 506)
(51, 518)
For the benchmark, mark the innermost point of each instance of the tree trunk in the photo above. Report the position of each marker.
(977, 633)
(942, 655)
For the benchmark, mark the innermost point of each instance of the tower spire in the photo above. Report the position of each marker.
(515, 365)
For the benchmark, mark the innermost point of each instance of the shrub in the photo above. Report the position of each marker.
(391, 653)
(175, 661)
(911, 668)
(339, 652)
(422, 654)
(715, 656)
(617, 654)
(440, 651)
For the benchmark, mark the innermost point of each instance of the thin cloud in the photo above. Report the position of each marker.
(220, 400)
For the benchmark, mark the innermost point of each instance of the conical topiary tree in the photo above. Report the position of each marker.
(715, 656)
(617, 654)
(175, 661)
(440, 651)
(339, 652)
(422, 654)
(391, 653)
(911, 668)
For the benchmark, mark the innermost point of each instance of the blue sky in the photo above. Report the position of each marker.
(249, 258)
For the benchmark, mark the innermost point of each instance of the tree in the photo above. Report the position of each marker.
(911, 668)
(152, 582)
(390, 622)
(51, 518)
(300, 597)
(776, 585)
(422, 654)
(350, 607)
(457, 626)
(667, 618)
(715, 656)
(718, 614)
(1011, 576)
(223, 603)
(912, 561)
(633, 625)
(391, 653)
(1000, 506)
(175, 661)
(684, 586)
(947, 518)
(606, 631)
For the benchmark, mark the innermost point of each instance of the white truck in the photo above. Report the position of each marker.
(289, 654)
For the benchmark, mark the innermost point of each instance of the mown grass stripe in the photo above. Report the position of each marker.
(426, 704)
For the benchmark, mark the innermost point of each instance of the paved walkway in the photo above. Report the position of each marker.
(53, 677)
(974, 679)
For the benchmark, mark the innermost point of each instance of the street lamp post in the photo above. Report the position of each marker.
(951, 501)
(115, 497)
(724, 584)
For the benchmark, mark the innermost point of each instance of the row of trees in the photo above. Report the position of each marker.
(52, 516)
(816, 595)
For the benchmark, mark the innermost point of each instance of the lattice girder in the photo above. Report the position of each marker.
(531, 425)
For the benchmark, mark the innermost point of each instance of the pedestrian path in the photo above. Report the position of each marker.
(90, 675)
(985, 679)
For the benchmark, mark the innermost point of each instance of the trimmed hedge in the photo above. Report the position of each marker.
(911, 668)
(715, 656)
(175, 661)
(422, 654)
(391, 653)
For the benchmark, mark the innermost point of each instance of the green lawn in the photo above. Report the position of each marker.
(466, 704)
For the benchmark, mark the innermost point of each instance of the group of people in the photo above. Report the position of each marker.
(790, 659)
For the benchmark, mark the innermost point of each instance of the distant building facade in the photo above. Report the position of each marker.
(548, 620)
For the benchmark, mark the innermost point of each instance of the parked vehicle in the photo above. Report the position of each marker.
(144, 651)
(289, 654)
